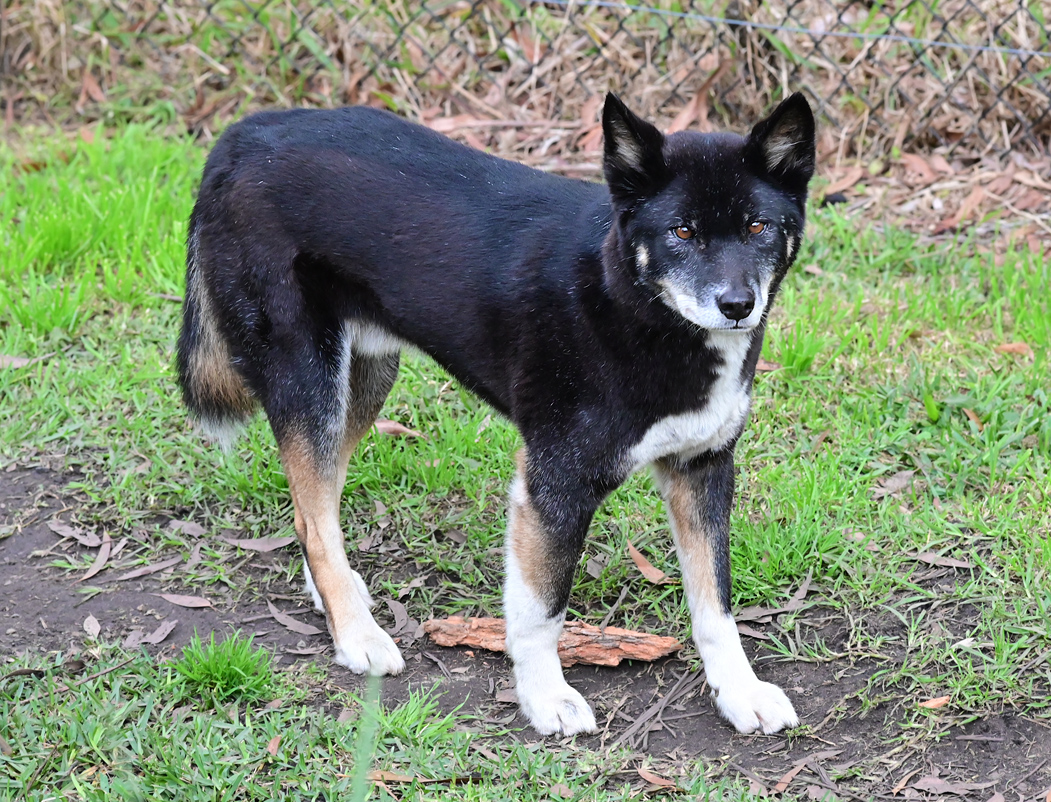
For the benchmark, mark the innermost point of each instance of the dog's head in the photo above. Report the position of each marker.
(709, 223)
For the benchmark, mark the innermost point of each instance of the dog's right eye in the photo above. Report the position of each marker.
(683, 232)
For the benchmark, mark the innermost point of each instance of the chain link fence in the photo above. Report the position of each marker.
(966, 77)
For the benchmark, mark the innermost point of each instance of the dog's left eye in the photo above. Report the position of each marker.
(756, 227)
(683, 232)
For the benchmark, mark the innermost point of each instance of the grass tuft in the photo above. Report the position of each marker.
(219, 672)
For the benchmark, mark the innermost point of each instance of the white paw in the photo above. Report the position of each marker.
(370, 652)
(557, 708)
(311, 589)
(756, 705)
(359, 583)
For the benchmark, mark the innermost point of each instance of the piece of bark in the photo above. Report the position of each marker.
(579, 643)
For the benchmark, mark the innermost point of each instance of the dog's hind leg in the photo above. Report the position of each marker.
(315, 460)
(698, 495)
(545, 535)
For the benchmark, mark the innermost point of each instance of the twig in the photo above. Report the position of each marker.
(613, 609)
(79, 682)
(686, 683)
(40, 768)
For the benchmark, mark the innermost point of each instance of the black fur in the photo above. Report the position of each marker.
(527, 287)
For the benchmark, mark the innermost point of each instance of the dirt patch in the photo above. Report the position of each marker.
(850, 746)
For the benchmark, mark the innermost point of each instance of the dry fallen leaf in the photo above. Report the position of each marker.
(647, 568)
(852, 177)
(100, 558)
(146, 570)
(88, 539)
(183, 601)
(973, 417)
(934, 704)
(655, 779)
(579, 643)
(942, 562)
(939, 163)
(1022, 349)
(401, 617)
(890, 485)
(289, 622)
(918, 164)
(187, 528)
(394, 428)
(7, 361)
(271, 747)
(763, 366)
(903, 782)
(967, 208)
(92, 626)
(161, 632)
(746, 630)
(260, 543)
(790, 775)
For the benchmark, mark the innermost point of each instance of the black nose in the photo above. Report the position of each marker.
(737, 304)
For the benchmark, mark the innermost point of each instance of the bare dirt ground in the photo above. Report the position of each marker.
(660, 709)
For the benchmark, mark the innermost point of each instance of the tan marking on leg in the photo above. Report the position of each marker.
(742, 699)
(526, 536)
(316, 500)
(695, 550)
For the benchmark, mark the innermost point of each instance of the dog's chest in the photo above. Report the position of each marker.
(709, 427)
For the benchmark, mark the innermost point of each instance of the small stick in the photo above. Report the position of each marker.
(96, 675)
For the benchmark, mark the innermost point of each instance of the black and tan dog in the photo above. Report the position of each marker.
(617, 326)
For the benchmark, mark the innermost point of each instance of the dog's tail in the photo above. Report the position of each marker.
(214, 391)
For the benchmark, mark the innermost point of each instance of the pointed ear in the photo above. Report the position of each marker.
(785, 142)
(633, 163)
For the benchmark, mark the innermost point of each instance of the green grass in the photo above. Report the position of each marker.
(230, 669)
(881, 355)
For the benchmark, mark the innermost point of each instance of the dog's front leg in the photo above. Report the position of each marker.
(541, 552)
(698, 495)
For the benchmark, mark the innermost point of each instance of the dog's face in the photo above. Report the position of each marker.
(709, 223)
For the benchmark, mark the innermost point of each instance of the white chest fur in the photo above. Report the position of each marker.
(711, 426)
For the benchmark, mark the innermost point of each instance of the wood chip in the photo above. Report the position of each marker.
(764, 366)
(579, 643)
